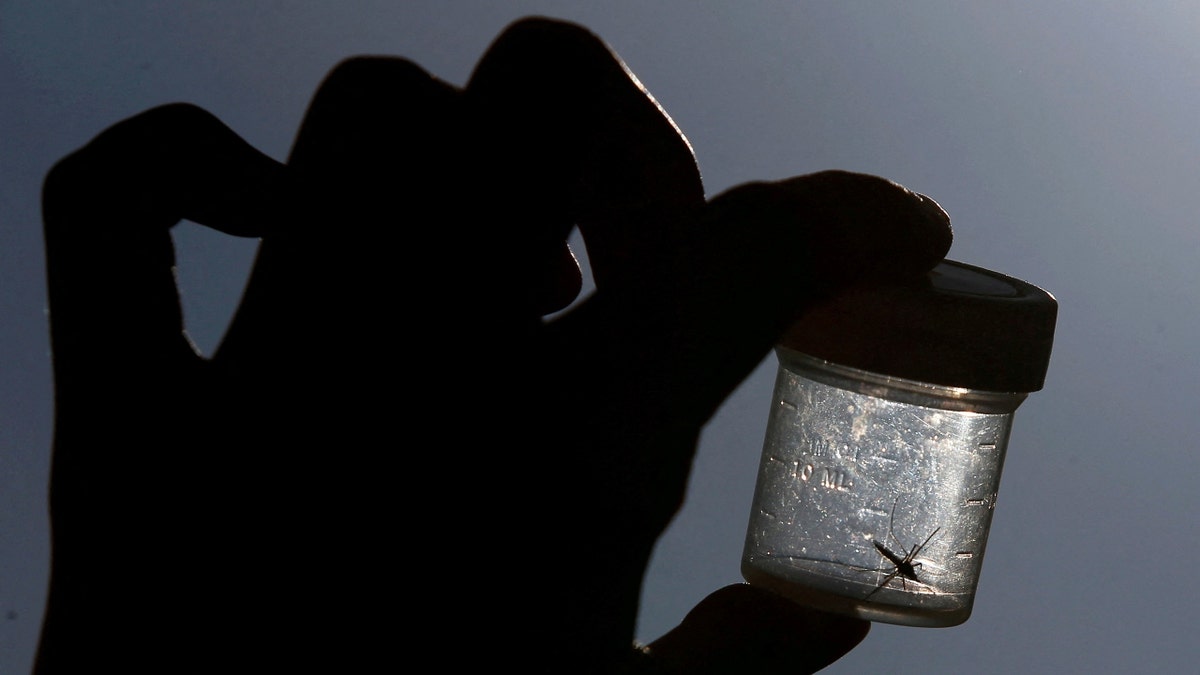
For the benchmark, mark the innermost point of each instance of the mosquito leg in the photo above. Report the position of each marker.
(883, 583)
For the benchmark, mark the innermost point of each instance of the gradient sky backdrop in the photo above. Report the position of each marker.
(1060, 136)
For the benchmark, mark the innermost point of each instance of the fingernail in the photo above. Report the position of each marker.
(932, 209)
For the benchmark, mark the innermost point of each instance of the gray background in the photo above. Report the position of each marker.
(1060, 136)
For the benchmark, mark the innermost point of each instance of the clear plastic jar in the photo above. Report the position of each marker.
(886, 441)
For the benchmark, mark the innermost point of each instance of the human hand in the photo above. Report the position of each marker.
(393, 456)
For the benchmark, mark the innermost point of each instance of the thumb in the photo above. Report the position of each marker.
(748, 631)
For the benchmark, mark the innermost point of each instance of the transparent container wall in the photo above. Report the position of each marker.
(875, 494)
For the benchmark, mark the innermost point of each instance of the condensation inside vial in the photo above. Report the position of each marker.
(874, 494)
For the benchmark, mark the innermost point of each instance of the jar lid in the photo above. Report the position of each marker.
(959, 326)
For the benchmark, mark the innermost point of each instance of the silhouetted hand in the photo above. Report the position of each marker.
(393, 458)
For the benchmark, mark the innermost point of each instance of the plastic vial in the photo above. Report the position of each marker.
(889, 423)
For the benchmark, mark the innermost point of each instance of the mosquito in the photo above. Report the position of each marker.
(902, 566)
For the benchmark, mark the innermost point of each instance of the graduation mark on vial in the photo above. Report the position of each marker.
(904, 566)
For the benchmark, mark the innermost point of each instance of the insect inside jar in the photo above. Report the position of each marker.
(904, 566)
